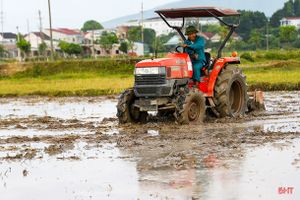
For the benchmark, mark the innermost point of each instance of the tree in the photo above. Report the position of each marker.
(91, 25)
(107, 40)
(288, 34)
(256, 38)
(276, 17)
(124, 47)
(249, 20)
(42, 48)
(297, 7)
(158, 46)
(212, 28)
(2, 51)
(135, 35)
(289, 8)
(70, 48)
(24, 46)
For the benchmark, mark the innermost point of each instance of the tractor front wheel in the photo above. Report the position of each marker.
(126, 112)
(190, 108)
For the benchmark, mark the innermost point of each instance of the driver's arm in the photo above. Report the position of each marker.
(198, 45)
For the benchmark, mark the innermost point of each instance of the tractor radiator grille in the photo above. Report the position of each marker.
(150, 79)
(146, 91)
(154, 91)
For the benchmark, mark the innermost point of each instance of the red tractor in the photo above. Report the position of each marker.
(165, 85)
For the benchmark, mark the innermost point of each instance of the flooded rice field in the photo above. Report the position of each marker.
(73, 148)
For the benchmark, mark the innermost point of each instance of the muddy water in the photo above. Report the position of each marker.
(73, 148)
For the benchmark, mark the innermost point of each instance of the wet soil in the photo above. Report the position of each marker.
(160, 159)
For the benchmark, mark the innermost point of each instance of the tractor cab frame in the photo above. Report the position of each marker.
(197, 12)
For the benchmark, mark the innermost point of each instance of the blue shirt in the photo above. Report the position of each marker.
(199, 46)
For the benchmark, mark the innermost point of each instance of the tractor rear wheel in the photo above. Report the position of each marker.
(190, 108)
(231, 92)
(126, 112)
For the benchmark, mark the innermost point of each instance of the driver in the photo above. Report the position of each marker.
(197, 55)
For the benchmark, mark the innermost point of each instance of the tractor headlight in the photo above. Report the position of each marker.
(150, 70)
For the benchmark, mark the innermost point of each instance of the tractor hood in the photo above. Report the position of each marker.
(156, 62)
(173, 59)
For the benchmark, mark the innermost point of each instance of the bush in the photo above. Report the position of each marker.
(247, 56)
(276, 56)
(38, 69)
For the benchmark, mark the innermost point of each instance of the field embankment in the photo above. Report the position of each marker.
(105, 77)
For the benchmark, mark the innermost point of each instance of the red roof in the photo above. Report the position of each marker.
(208, 34)
(293, 18)
(67, 31)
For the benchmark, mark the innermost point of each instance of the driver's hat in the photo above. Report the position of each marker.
(190, 30)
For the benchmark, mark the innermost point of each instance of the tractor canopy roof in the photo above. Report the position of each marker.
(197, 12)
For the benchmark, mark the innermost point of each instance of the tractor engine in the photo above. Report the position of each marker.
(162, 77)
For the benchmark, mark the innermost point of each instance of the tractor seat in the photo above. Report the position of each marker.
(207, 62)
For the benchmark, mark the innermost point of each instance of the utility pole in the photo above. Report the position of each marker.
(41, 26)
(28, 30)
(93, 44)
(50, 24)
(198, 24)
(267, 34)
(2, 22)
(18, 38)
(142, 26)
(29, 38)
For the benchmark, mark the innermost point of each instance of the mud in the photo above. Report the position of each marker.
(76, 147)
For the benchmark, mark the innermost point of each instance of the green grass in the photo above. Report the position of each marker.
(280, 75)
(64, 87)
(92, 78)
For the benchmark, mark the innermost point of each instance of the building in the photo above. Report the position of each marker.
(9, 41)
(37, 38)
(96, 34)
(122, 32)
(8, 38)
(67, 35)
(161, 27)
(290, 21)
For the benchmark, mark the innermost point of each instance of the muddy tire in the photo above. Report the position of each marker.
(126, 113)
(190, 108)
(231, 92)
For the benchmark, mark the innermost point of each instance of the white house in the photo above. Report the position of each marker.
(67, 35)
(8, 38)
(290, 21)
(36, 38)
(161, 27)
(9, 41)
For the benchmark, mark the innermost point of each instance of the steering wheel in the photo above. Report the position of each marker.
(184, 49)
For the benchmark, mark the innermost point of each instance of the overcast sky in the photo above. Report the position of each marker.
(68, 13)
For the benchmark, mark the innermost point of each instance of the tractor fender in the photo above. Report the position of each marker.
(217, 68)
